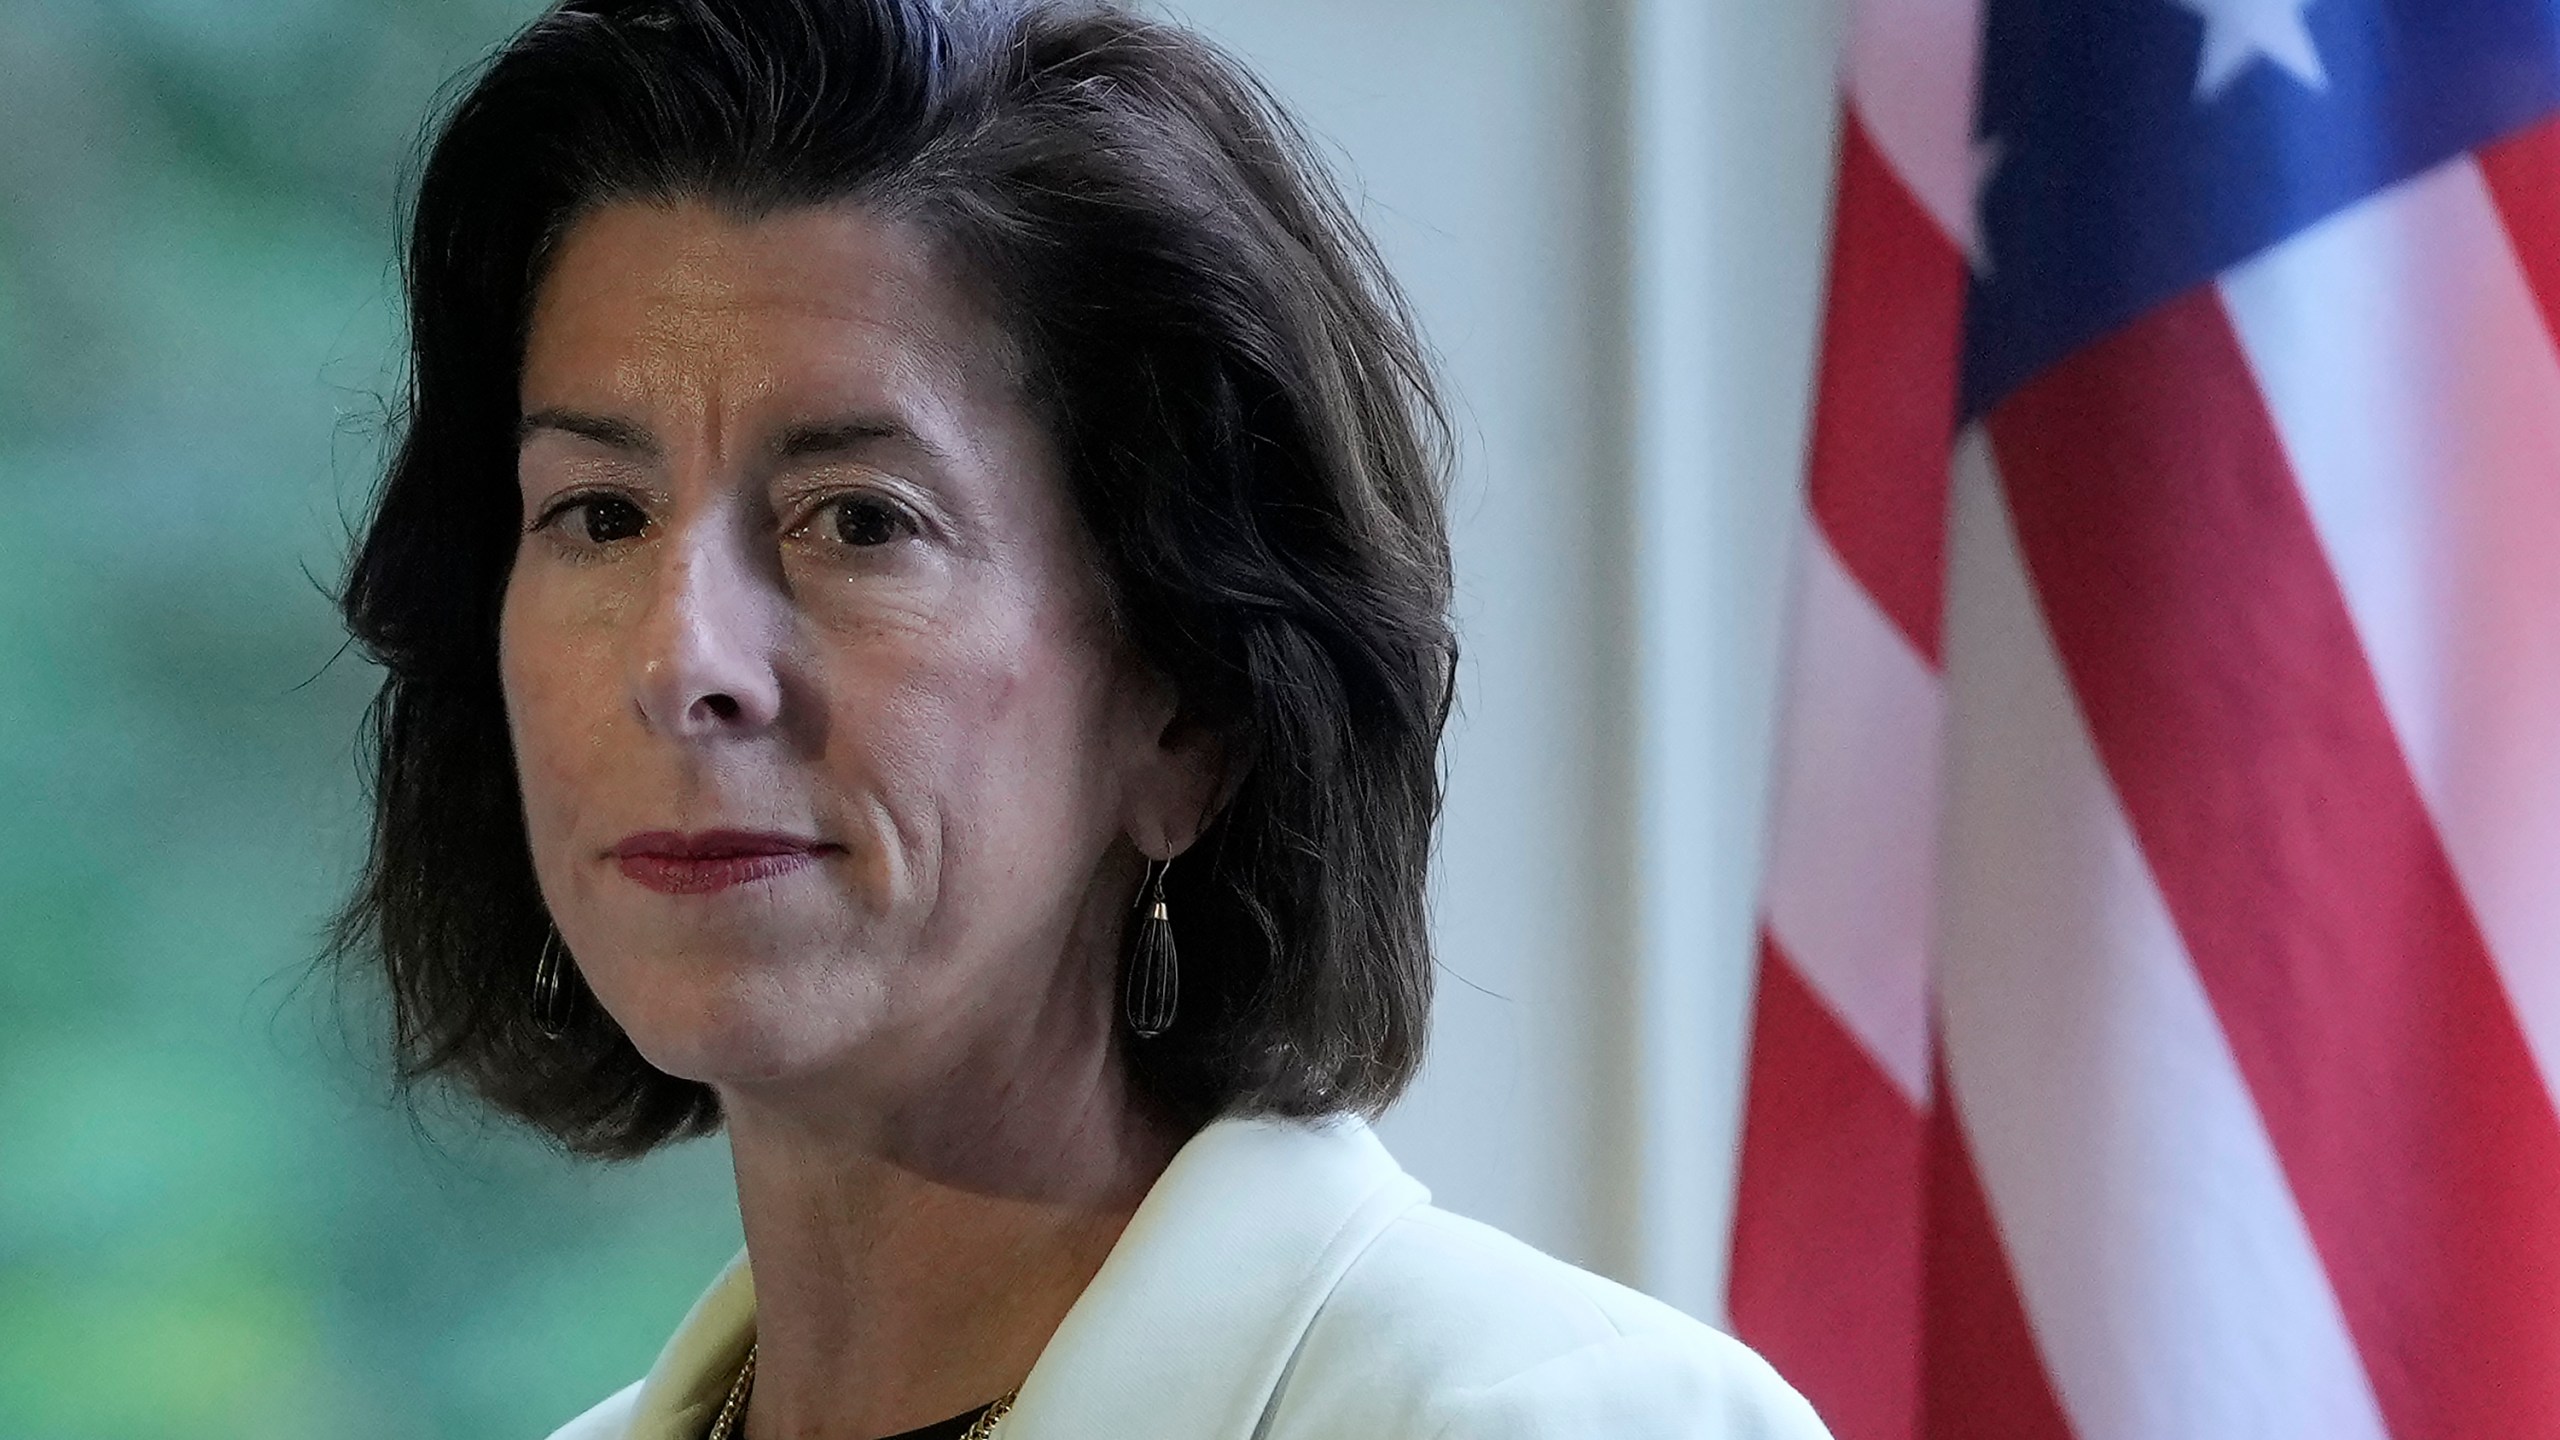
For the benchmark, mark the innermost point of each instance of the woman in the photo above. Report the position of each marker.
(913, 599)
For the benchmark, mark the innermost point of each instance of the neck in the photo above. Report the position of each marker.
(911, 1260)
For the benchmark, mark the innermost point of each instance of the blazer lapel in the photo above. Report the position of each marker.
(1191, 1322)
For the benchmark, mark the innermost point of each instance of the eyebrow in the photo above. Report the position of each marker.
(603, 429)
(835, 437)
(797, 442)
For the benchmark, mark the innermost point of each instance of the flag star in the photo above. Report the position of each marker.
(2237, 32)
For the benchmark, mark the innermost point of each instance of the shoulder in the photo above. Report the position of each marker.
(691, 1374)
(608, 1419)
(1446, 1329)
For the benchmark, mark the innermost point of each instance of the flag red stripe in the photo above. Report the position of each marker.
(2523, 172)
(1826, 1250)
(1885, 406)
(2229, 696)
(1982, 1376)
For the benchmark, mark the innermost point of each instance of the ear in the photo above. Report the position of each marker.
(1179, 785)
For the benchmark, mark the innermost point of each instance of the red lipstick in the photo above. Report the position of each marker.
(674, 863)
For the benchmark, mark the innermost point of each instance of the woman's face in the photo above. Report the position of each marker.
(831, 762)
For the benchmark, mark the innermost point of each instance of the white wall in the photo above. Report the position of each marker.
(1610, 216)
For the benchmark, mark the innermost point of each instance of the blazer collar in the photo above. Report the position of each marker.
(682, 1391)
(1190, 1323)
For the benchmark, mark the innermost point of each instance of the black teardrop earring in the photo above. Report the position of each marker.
(551, 1000)
(1154, 986)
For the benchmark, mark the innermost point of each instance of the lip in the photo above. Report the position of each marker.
(673, 862)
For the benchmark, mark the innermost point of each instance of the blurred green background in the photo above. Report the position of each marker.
(215, 1219)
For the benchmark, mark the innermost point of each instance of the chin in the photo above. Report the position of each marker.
(719, 1024)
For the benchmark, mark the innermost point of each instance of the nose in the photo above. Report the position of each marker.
(703, 665)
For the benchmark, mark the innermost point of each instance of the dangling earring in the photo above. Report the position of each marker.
(1154, 986)
(551, 988)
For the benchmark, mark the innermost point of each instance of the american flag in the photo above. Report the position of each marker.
(2159, 1006)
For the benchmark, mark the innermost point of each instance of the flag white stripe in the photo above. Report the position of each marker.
(2167, 1273)
(1852, 859)
(2418, 399)
(1910, 71)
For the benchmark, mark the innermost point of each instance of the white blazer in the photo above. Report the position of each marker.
(1288, 1281)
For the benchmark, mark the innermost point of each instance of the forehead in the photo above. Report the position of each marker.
(670, 300)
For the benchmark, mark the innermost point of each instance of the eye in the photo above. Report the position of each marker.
(610, 518)
(867, 520)
(597, 519)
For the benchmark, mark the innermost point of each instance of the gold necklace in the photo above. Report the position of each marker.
(986, 1425)
(735, 1407)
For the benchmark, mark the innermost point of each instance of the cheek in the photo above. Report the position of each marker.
(1007, 722)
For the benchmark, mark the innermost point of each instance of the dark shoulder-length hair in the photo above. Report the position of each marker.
(1250, 433)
